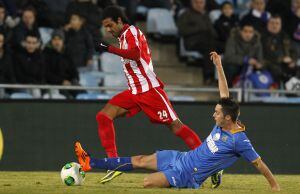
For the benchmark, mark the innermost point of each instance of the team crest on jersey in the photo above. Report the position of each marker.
(216, 136)
(224, 138)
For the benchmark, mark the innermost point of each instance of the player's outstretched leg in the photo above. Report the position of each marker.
(88, 163)
(83, 157)
(181, 130)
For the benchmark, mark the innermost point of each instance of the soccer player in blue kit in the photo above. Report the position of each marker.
(224, 145)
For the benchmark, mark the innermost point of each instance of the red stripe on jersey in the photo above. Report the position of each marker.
(136, 72)
(134, 77)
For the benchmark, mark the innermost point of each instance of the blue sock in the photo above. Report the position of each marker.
(119, 164)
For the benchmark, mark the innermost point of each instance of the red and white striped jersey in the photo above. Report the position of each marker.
(139, 73)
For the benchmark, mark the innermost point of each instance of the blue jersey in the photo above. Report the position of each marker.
(219, 151)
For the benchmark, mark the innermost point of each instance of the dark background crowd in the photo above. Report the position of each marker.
(255, 37)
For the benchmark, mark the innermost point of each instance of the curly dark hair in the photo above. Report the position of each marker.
(115, 12)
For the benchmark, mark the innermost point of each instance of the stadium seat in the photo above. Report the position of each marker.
(160, 21)
(93, 96)
(53, 94)
(46, 34)
(21, 95)
(183, 53)
(214, 15)
(182, 98)
(281, 99)
(113, 71)
(111, 63)
(91, 79)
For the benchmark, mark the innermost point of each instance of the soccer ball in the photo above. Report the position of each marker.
(71, 174)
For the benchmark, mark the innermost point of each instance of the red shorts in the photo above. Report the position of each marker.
(154, 103)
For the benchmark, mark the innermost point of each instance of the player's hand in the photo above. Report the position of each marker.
(102, 47)
(216, 59)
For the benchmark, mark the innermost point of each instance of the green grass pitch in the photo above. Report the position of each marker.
(131, 183)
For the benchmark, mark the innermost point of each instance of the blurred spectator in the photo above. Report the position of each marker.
(43, 13)
(243, 49)
(105, 3)
(279, 7)
(198, 33)
(6, 66)
(27, 25)
(279, 55)
(28, 62)
(226, 22)
(58, 5)
(59, 69)
(92, 14)
(57, 9)
(209, 4)
(79, 42)
(131, 8)
(257, 16)
(3, 23)
(167, 4)
(292, 23)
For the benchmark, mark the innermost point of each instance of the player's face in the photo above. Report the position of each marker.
(219, 116)
(112, 27)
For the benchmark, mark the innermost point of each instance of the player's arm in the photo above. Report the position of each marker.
(132, 52)
(222, 82)
(264, 170)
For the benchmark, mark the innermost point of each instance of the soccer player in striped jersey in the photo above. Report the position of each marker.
(145, 90)
(226, 143)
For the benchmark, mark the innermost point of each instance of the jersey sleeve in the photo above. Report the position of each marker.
(244, 148)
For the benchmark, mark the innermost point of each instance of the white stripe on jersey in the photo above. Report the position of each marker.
(138, 73)
(172, 114)
(134, 33)
(151, 75)
(130, 80)
(146, 80)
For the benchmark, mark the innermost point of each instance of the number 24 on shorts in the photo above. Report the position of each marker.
(162, 114)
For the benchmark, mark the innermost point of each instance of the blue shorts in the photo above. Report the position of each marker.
(169, 163)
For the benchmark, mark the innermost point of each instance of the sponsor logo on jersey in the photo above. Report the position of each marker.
(211, 144)
(224, 138)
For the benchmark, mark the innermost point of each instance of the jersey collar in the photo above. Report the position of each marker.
(239, 129)
(125, 27)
